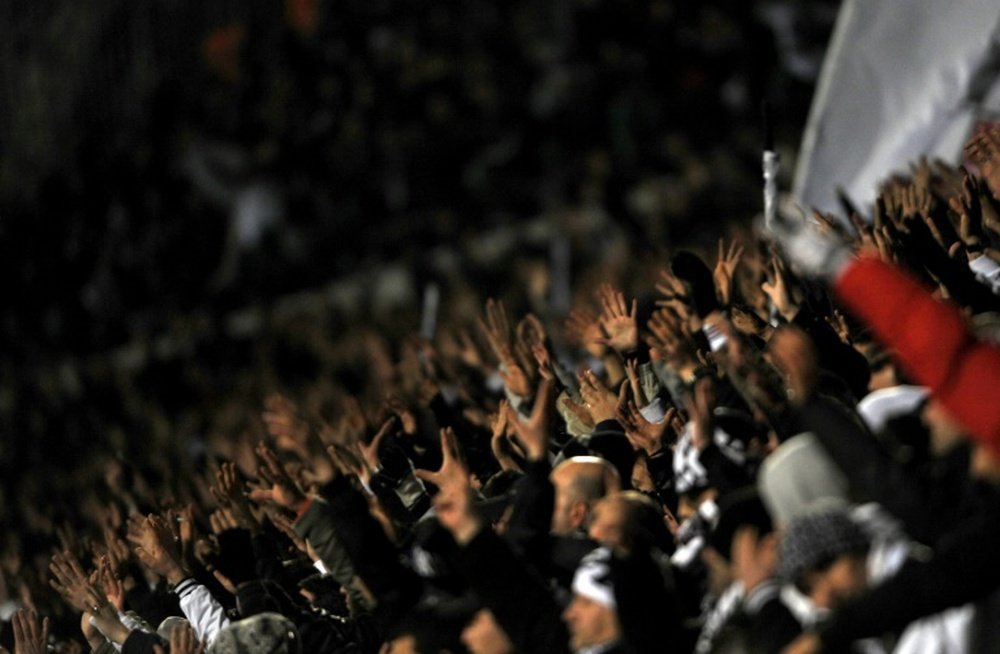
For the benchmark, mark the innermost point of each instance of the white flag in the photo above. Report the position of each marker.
(901, 78)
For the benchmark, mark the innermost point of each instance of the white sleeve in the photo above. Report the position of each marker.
(206, 615)
(986, 271)
(653, 412)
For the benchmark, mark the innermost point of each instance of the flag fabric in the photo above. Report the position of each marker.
(901, 79)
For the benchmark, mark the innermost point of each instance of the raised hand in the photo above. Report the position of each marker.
(459, 344)
(725, 269)
(452, 471)
(497, 330)
(30, 636)
(515, 378)
(72, 583)
(117, 551)
(779, 290)
(222, 520)
(407, 419)
(531, 330)
(885, 243)
(829, 223)
(183, 520)
(864, 230)
(618, 320)
(583, 329)
(346, 461)
(283, 523)
(110, 584)
(969, 208)
(499, 444)
(643, 434)
(533, 434)
(229, 491)
(283, 491)
(184, 640)
(530, 334)
(675, 295)
(156, 548)
(453, 502)
(79, 592)
(599, 400)
(544, 360)
(632, 372)
(670, 339)
(983, 149)
(514, 355)
(369, 451)
(361, 459)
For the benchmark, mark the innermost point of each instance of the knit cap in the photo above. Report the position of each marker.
(816, 538)
(267, 632)
(168, 625)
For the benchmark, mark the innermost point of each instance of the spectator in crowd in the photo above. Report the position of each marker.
(703, 472)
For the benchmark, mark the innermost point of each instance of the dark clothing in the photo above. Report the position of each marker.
(140, 642)
(529, 530)
(648, 610)
(365, 545)
(518, 599)
(964, 569)
(759, 623)
(928, 498)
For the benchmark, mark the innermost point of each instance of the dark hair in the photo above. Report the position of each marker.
(738, 509)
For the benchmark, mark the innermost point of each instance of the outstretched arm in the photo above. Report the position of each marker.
(932, 341)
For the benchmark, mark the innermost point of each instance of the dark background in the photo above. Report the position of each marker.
(185, 186)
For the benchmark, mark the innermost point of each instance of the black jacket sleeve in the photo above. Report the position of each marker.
(924, 500)
(374, 557)
(517, 598)
(648, 610)
(531, 517)
(963, 570)
(835, 355)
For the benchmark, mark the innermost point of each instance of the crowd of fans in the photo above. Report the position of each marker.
(788, 446)
(789, 441)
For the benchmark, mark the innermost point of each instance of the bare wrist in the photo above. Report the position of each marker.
(175, 575)
(466, 530)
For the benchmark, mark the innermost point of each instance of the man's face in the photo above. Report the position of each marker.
(720, 572)
(484, 636)
(845, 579)
(607, 523)
(568, 513)
(945, 432)
(405, 644)
(590, 623)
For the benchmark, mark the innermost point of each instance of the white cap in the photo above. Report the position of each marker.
(878, 407)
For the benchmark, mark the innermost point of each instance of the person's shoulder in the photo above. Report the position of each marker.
(773, 626)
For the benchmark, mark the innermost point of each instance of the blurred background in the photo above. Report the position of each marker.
(203, 201)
